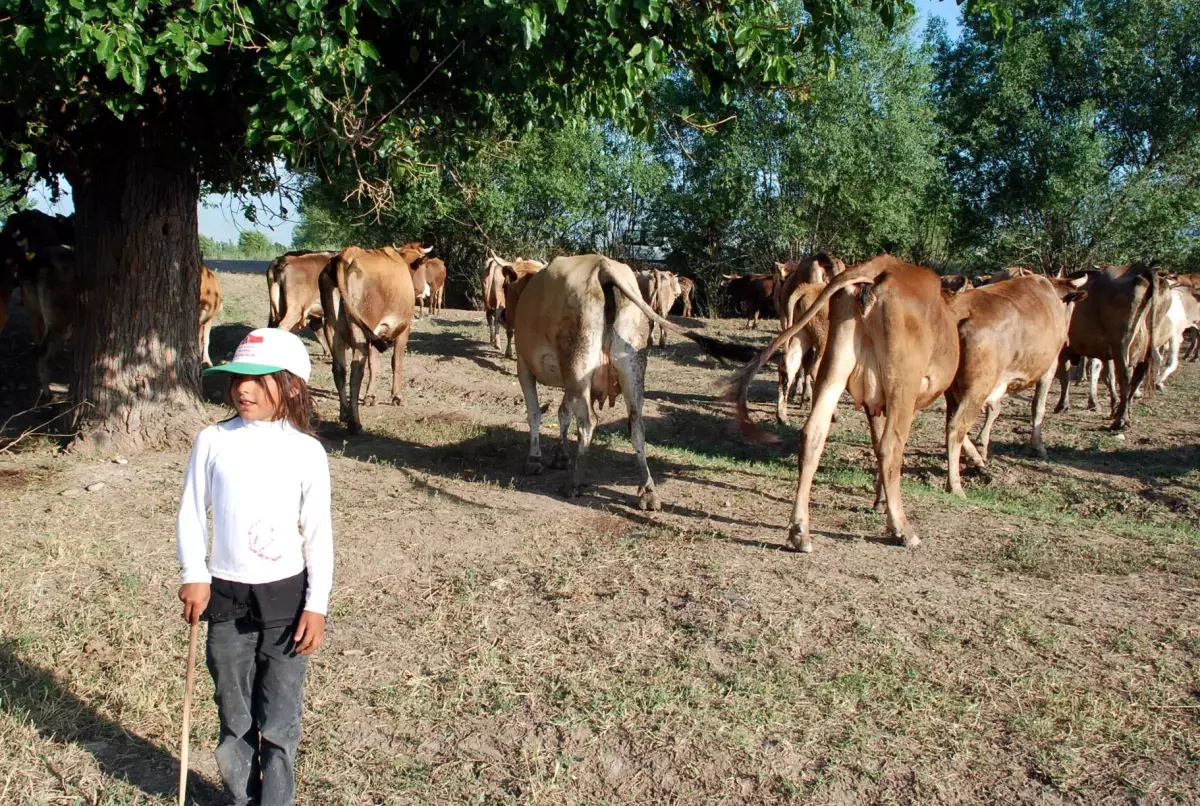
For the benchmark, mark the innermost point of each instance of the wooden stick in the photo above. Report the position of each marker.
(187, 712)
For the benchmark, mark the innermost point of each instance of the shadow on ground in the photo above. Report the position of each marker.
(36, 696)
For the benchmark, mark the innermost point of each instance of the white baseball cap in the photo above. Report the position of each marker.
(268, 350)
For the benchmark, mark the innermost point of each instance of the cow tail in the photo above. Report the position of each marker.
(1145, 305)
(1154, 363)
(379, 343)
(734, 387)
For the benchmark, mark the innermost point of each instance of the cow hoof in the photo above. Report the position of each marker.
(353, 428)
(560, 462)
(911, 540)
(800, 542)
(1158, 387)
(570, 490)
(369, 400)
(533, 467)
(648, 501)
(1119, 425)
(397, 400)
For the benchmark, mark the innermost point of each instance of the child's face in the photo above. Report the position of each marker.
(256, 397)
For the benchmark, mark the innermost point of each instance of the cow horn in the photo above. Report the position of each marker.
(427, 250)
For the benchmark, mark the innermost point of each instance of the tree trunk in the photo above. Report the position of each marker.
(136, 371)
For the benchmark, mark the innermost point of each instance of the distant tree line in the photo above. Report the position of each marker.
(251, 245)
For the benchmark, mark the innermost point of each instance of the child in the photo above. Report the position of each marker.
(265, 589)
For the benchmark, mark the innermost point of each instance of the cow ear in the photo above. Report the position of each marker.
(781, 269)
(510, 274)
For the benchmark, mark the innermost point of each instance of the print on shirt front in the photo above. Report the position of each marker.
(262, 541)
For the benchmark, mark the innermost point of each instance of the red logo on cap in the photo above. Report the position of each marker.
(252, 339)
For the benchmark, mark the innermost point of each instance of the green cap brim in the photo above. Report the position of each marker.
(242, 368)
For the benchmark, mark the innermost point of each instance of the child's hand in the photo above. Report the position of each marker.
(310, 632)
(195, 596)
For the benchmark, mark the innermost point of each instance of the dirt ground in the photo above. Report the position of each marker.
(493, 643)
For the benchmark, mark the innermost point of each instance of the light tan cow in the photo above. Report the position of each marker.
(1183, 314)
(687, 293)
(210, 306)
(1010, 334)
(659, 290)
(435, 275)
(367, 295)
(422, 288)
(893, 344)
(1002, 275)
(295, 293)
(494, 298)
(800, 283)
(582, 326)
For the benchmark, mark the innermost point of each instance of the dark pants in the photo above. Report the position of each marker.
(259, 681)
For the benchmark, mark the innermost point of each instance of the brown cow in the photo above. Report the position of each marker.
(581, 325)
(659, 290)
(1010, 334)
(422, 287)
(367, 295)
(687, 293)
(27, 233)
(494, 296)
(295, 293)
(801, 283)
(893, 345)
(1111, 324)
(753, 294)
(210, 306)
(49, 291)
(435, 275)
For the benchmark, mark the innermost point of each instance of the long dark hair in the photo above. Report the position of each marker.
(295, 401)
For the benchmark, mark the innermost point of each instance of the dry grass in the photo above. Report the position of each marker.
(493, 643)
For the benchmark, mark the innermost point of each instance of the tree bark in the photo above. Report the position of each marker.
(136, 364)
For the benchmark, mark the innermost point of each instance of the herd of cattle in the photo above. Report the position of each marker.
(895, 336)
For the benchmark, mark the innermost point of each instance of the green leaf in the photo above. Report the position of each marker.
(105, 46)
(562, 6)
(613, 14)
(303, 43)
(635, 50)
(28, 160)
(24, 34)
(368, 50)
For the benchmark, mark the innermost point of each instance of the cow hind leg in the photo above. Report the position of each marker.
(1039, 412)
(372, 372)
(631, 371)
(205, 336)
(985, 433)
(875, 426)
(533, 412)
(831, 382)
(1172, 361)
(789, 367)
(317, 325)
(340, 355)
(399, 347)
(1064, 380)
(358, 359)
(581, 407)
(561, 460)
(891, 460)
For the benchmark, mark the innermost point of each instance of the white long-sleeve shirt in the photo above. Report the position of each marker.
(268, 486)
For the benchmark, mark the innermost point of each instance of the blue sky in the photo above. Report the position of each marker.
(221, 218)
